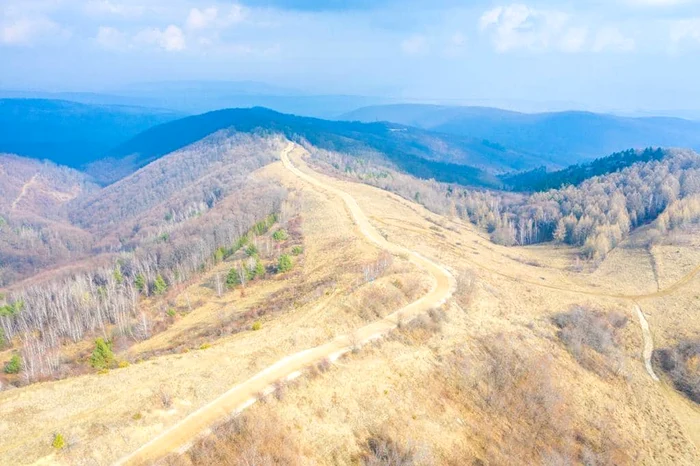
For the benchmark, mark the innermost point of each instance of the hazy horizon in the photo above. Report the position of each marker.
(621, 56)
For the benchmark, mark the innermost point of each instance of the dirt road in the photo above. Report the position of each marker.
(179, 436)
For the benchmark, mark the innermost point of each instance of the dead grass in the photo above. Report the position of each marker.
(260, 440)
(592, 338)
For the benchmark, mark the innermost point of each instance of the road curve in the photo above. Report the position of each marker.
(241, 396)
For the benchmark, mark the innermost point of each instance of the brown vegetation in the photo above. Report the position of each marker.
(245, 440)
(591, 338)
(682, 365)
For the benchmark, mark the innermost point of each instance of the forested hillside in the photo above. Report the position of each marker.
(425, 154)
(564, 138)
(54, 216)
(542, 180)
(70, 133)
(594, 215)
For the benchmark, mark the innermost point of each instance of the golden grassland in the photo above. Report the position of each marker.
(412, 386)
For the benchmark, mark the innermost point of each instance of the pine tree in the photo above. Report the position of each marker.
(284, 264)
(140, 282)
(102, 356)
(159, 286)
(118, 276)
(233, 279)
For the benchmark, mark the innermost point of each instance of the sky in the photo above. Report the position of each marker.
(594, 54)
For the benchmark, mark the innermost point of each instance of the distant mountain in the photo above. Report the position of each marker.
(563, 138)
(426, 154)
(193, 97)
(70, 133)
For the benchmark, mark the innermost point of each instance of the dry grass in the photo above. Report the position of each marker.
(247, 440)
(592, 338)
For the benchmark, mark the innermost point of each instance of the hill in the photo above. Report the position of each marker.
(426, 154)
(563, 138)
(70, 133)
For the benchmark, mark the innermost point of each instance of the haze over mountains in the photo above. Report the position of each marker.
(572, 134)
(454, 144)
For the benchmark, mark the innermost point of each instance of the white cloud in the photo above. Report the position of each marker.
(574, 39)
(209, 18)
(112, 38)
(685, 30)
(113, 8)
(27, 31)
(201, 19)
(415, 45)
(521, 27)
(658, 3)
(171, 39)
(610, 38)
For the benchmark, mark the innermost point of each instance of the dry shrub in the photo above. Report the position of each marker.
(422, 328)
(509, 391)
(381, 449)
(464, 293)
(682, 364)
(258, 439)
(592, 338)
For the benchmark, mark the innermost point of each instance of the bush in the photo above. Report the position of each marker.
(14, 365)
(251, 250)
(59, 442)
(102, 356)
(257, 325)
(284, 264)
(682, 364)
(232, 279)
(383, 450)
(590, 336)
(280, 235)
(297, 250)
(159, 286)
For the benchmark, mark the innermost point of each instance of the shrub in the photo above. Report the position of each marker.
(297, 250)
(382, 450)
(251, 250)
(59, 442)
(204, 346)
(284, 264)
(102, 356)
(159, 286)
(140, 282)
(682, 364)
(171, 312)
(14, 365)
(123, 364)
(257, 325)
(591, 337)
(232, 279)
(280, 235)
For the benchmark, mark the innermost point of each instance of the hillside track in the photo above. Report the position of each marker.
(243, 395)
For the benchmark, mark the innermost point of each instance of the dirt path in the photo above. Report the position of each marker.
(23, 192)
(648, 343)
(241, 396)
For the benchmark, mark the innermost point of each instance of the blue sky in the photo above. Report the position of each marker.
(601, 55)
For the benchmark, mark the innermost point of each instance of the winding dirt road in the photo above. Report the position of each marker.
(241, 396)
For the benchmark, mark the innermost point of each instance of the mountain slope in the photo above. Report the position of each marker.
(69, 133)
(423, 153)
(564, 138)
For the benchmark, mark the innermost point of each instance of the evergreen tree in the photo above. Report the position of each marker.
(159, 286)
(284, 264)
(140, 282)
(102, 356)
(14, 365)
